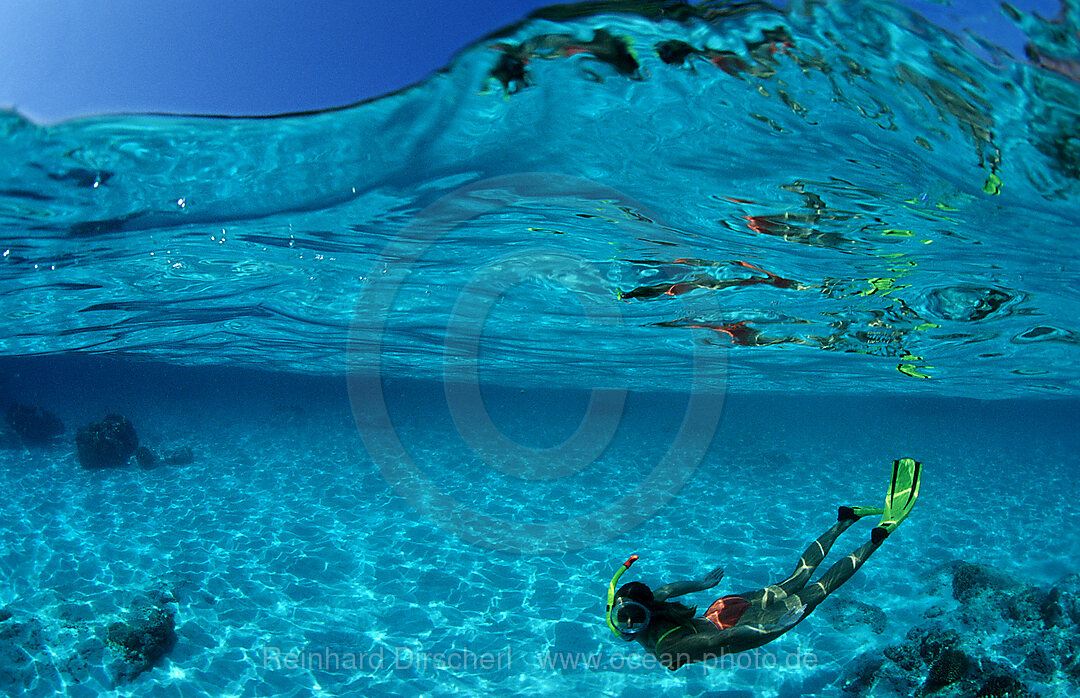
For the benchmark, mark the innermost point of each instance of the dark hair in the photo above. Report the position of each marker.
(672, 610)
(636, 591)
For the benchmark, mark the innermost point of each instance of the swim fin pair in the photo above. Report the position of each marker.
(903, 491)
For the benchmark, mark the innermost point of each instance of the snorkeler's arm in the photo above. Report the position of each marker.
(679, 588)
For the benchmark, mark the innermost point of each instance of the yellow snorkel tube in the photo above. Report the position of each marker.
(611, 591)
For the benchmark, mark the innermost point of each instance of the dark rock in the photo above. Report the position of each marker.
(106, 444)
(859, 675)
(971, 581)
(1003, 686)
(949, 667)
(4, 614)
(906, 657)
(1040, 663)
(1032, 632)
(1053, 614)
(1072, 667)
(160, 594)
(145, 457)
(178, 456)
(33, 425)
(994, 675)
(1061, 607)
(1026, 605)
(147, 633)
(933, 642)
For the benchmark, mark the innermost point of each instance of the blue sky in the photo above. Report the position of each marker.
(66, 58)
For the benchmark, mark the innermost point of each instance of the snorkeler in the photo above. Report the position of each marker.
(709, 282)
(676, 636)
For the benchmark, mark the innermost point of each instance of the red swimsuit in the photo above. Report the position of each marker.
(726, 611)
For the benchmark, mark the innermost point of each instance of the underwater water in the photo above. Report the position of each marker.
(637, 278)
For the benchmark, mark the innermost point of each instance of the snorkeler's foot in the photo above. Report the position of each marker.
(903, 491)
(856, 513)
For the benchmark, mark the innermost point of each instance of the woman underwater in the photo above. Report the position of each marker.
(739, 622)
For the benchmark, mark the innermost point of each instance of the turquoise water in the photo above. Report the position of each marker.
(446, 358)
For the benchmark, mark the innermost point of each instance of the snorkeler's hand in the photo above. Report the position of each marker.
(674, 589)
(713, 578)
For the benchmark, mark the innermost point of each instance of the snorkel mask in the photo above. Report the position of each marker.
(630, 617)
(634, 616)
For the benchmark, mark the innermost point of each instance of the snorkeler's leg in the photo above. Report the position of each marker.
(810, 559)
(815, 593)
(808, 562)
(902, 495)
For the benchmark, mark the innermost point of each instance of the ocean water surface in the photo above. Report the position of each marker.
(623, 278)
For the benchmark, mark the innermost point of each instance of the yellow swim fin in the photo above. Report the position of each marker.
(903, 491)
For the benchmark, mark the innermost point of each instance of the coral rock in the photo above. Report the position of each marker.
(107, 444)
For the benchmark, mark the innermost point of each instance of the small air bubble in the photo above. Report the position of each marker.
(181, 203)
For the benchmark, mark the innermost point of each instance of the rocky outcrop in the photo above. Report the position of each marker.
(142, 638)
(109, 443)
(34, 426)
(1001, 638)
